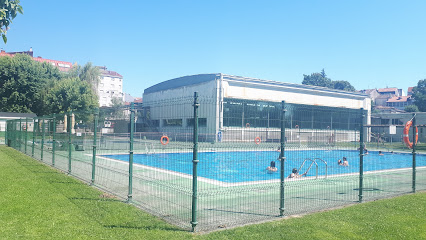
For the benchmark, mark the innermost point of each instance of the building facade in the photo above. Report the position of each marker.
(241, 103)
(63, 66)
(110, 86)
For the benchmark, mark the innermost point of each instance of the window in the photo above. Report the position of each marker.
(262, 114)
(396, 122)
(172, 122)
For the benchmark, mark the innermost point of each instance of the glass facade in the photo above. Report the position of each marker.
(263, 114)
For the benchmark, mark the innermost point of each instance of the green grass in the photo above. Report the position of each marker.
(38, 202)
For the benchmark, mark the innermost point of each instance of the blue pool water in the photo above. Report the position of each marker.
(233, 167)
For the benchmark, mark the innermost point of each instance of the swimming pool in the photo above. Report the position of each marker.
(236, 167)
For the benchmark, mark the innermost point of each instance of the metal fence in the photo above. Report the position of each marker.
(202, 164)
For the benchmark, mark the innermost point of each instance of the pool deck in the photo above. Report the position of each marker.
(168, 194)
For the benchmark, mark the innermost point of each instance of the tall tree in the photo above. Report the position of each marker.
(323, 73)
(321, 80)
(87, 73)
(419, 95)
(24, 83)
(343, 85)
(71, 94)
(9, 10)
(316, 79)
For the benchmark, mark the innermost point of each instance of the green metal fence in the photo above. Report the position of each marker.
(202, 164)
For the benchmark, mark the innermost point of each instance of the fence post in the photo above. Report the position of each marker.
(42, 138)
(26, 134)
(282, 158)
(415, 135)
(95, 127)
(361, 156)
(69, 141)
(6, 142)
(194, 165)
(132, 126)
(54, 139)
(32, 146)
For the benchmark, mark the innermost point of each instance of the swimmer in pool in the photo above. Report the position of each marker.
(272, 167)
(295, 174)
(344, 163)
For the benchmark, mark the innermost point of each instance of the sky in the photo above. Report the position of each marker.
(370, 43)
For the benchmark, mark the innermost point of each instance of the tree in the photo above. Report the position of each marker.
(116, 110)
(9, 10)
(321, 80)
(24, 83)
(323, 73)
(419, 95)
(411, 108)
(316, 79)
(71, 95)
(343, 85)
(87, 73)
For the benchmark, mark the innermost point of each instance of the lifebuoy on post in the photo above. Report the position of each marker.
(247, 125)
(406, 136)
(164, 140)
(257, 140)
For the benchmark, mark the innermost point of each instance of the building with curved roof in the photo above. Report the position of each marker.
(240, 102)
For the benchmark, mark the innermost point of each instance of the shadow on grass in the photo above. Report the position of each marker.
(64, 182)
(164, 228)
(95, 199)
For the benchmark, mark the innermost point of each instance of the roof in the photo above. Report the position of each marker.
(399, 99)
(410, 90)
(182, 81)
(200, 78)
(62, 65)
(386, 90)
(108, 73)
(368, 91)
(17, 115)
(388, 109)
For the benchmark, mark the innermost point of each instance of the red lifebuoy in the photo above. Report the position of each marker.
(257, 140)
(162, 140)
(247, 125)
(406, 136)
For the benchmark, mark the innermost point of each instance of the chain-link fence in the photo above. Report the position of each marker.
(204, 164)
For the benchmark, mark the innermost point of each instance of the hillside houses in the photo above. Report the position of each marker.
(390, 99)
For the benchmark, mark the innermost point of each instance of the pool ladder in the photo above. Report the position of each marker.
(314, 161)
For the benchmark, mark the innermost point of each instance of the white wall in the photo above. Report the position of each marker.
(109, 88)
(177, 103)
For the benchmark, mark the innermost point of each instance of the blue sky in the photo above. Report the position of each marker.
(371, 44)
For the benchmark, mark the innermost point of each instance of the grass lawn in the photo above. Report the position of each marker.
(38, 202)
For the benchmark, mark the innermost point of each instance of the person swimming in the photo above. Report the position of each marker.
(344, 162)
(295, 174)
(271, 168)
